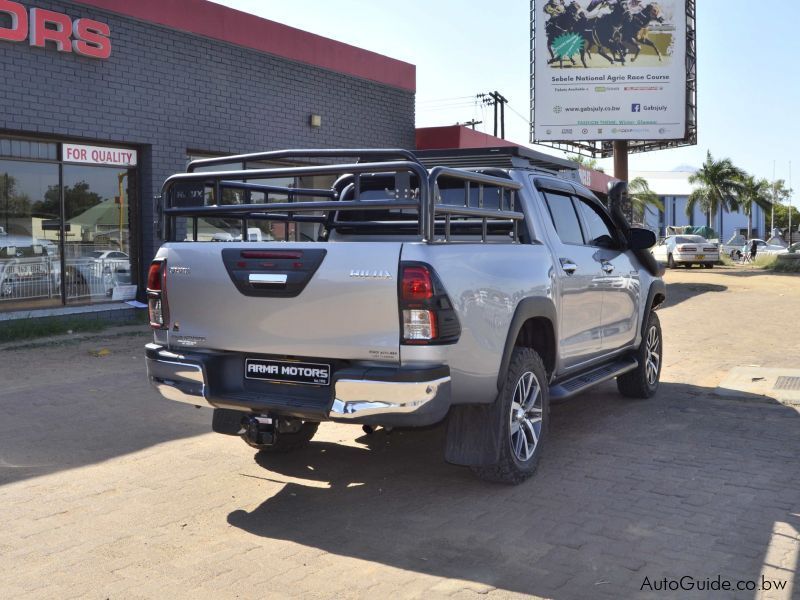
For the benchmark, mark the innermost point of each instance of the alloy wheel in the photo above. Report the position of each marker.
(526, 417)
(652, 355)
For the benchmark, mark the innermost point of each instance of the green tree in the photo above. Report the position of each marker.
(719, 184)
(641, 197)
(754, 191)
(77, 199)
(780, 194)
(782, 217)
(587, 163)
(13, 203)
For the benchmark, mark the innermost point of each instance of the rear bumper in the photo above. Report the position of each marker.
(692, 258)
(390, 396)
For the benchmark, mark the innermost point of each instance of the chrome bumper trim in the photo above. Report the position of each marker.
(176, 380)
(356, 398)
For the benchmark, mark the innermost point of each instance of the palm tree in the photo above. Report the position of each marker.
(718, 183)
(587, 163)
(754, 191)
(641, 197)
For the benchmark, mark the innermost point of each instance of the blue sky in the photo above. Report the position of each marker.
(748, 78)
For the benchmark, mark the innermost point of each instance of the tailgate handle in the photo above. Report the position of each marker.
(258, 279)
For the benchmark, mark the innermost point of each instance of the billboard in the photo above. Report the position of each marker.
(608, 70)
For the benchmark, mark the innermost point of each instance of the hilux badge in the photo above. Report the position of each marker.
(370, 274)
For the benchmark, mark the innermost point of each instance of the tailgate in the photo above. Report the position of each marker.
(327, 300)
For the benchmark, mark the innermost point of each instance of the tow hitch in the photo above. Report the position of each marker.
(259, 430)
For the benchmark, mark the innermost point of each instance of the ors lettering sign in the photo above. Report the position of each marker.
(39, 26)
(99, 155)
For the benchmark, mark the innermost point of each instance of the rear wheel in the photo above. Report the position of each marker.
(291, 435)
(642, 382)
(7, 287)
(524, 406)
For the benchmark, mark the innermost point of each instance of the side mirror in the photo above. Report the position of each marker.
(641, 239)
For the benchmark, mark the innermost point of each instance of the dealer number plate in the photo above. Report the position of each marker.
(283, 371)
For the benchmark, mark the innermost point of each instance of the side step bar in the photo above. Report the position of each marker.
(578, 383)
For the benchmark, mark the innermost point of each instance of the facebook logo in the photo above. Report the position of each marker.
(636, 108)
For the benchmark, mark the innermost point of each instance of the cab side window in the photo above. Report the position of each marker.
(565, 219)
(598, 232)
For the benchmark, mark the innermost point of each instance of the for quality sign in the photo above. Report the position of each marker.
(99, 155)
(609, 70)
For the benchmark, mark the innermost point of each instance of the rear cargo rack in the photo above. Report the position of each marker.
(198, 194)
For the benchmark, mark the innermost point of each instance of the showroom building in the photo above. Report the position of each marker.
(103, 99)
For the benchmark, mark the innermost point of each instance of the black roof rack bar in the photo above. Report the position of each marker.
(334, 169)
(377, 154)
(238, 210)
(260, 187)
(483, 213)
(480, 213)
(288, 171)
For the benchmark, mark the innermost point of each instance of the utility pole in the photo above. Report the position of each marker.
(790, 203)
(774, 199)
(494, 98)
(471, 123)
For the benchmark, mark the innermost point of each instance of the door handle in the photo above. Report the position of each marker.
(568, 266)
(608, 267)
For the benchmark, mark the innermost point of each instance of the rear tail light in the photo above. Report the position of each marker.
(687, 249)
(426, 313)
(419, 325)
(710, 249)
(157, 295)
(417, 284)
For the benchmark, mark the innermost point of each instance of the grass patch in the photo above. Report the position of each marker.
(26, 329)
(785, 266)
(765, 261)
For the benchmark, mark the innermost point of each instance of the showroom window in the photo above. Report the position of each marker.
(65, 229)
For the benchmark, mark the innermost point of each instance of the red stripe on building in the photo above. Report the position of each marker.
(456, 136)
(249, 31)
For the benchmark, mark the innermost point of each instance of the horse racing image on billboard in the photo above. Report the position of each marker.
(609, 69)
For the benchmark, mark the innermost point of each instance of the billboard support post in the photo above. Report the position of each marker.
(621, 159)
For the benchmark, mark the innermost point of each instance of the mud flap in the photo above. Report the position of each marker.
(474, 432)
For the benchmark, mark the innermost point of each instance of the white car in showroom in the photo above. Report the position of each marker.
(686, 250)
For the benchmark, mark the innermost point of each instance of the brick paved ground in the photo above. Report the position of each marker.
(108, 491)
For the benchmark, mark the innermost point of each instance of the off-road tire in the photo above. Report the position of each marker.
(709, 265)
(670, 262)
(636, 384)
(509, 468)
(287, 442)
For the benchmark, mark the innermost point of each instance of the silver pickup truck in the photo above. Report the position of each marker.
(392, 292)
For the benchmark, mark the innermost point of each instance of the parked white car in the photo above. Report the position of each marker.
(762, 247)
(686, 250)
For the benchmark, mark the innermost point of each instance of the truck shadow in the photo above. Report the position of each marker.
(684, 484)
(679, 291)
